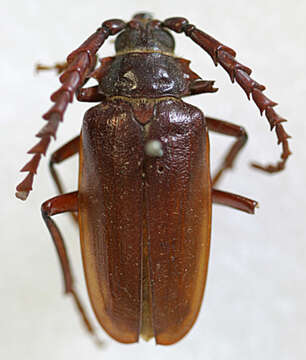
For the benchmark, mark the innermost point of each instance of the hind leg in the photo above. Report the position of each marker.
(58, 205)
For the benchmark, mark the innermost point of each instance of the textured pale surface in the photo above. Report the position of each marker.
(255, 299)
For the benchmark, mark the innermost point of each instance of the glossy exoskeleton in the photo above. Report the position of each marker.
(145, 190)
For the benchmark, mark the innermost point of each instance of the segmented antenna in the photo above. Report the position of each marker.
(80, 64)
(225, 56)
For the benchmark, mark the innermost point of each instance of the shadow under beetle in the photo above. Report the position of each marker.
(145, 190)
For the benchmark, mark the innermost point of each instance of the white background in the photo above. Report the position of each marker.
(254, 305)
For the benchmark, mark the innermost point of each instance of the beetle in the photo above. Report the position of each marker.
(145, 190)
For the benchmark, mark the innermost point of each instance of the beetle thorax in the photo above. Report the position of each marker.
(141, 74)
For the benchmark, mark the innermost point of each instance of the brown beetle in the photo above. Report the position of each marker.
(145, 189)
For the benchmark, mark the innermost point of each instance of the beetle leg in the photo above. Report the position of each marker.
(225, 56)
(226, 128)
(234, 201)
(90, 94)
(59, 67)
(58, 205)
(201, 87)
(66, 151)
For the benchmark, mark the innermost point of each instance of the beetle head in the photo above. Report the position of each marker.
(146, 34)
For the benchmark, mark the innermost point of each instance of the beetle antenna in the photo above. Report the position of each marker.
(225, 56)
(80, 64)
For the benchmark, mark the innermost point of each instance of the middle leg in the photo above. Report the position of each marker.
(226, 128)
(64, 152)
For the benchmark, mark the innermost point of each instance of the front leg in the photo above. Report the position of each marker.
(59, 67)
(201, 87)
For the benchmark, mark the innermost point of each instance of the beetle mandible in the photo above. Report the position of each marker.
(145, 190)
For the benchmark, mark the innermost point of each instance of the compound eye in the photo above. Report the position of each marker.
(134, 24)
